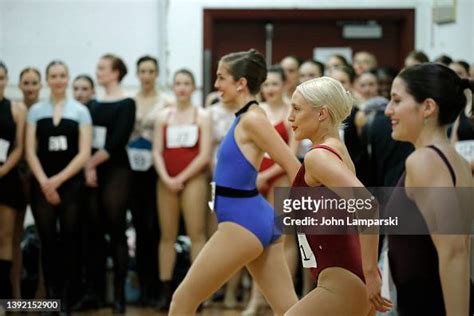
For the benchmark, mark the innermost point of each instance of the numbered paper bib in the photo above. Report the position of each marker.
(4, 146)
(466, 149)
(179, 136)
(140, 159)
(57, 143)
(99, 137)
(212, 202)
(307, 255)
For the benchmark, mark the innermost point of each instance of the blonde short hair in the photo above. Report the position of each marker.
(329, 92)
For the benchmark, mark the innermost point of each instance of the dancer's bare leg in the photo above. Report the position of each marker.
(230, 297)
(228, 250)
(270, 271)
(291, 255)
(168, 214)
(194, 206)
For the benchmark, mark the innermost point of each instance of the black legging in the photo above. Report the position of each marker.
(145, 220)
(93, 248)
(59, 248)
(107, 214)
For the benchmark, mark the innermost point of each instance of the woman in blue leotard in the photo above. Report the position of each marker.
(246, 235)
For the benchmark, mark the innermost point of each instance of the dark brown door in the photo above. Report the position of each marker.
(298, 32)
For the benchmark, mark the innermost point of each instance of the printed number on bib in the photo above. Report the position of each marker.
(179, 136)
(466, 149)
(307, 255)
(4, 146)
(212, 202)
(99, 137)
(57, 143)
(140, 159)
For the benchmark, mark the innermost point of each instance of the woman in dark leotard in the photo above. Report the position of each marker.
(432, 274)
(30, 86)
(58, 140)
(109, 175)
(143, 199)
(246, 235)
(318, 108)
(12, 200)
(83, 92)
(83, 88)
(182, 152)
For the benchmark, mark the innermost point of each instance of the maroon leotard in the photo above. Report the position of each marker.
(332, 250)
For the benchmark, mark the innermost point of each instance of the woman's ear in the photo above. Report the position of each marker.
(429, 108)
(241, 84)
(323, 113)
(117, 73)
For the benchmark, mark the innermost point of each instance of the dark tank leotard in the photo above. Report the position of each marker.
(414, 260)
(11, 190)
(332, 250)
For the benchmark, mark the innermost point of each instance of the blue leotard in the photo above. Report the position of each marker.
(235, 172)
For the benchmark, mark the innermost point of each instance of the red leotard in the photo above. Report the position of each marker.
(177, 159)
(332, 250)
(268, 162)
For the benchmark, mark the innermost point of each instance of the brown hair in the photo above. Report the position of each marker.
(249, 65)
(117, 64)
(440, 83)
(28, 69)
(186, 72)
(148, 58)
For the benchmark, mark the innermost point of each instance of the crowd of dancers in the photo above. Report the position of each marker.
(82, 162)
